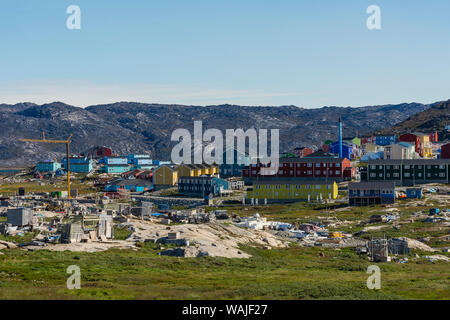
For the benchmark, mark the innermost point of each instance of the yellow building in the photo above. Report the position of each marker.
(285, 190)
(196, 170)
(187, 170)
(426, 150)
(165, 175)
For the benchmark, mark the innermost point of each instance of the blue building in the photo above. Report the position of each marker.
(414, 193)
(203, 186)
(78, 164)
(371, 193)
(385, 140)
(235, 168)
(115, 168)
(135, 158)
(347, 149)
(115, 160)
(48, 166)
(132, 185)
(159, 163)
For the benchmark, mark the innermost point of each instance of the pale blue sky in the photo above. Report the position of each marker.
(307, 53)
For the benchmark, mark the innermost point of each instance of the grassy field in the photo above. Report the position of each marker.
(294, 273)
(11, 189)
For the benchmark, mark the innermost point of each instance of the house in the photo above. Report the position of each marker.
(371, 147)
(115, 160)
(78, 164)
(236, 184)
(115, 168)
(414, 193)
(233, 168)
(402, 150)
(302, 151)
(132, 185)
(385, 140)
(98, 152)
(421, 142)
(292, 190)
(347, 149)
(371, 193)
(411, 139)
(165, 176)
(445, 151)
(426, 150)
(407, 172)
(318, 165)
(196, 170)
(204, 186)
(48, 166)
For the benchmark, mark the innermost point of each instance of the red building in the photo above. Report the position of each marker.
(302, 152)
(308, 167)
(412, 139)
(434, 137)
(445, 151)
(99, 152)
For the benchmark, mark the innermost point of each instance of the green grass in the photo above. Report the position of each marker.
(293, 273)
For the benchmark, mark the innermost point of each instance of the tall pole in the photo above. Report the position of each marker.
(68, 168)
(340, 137)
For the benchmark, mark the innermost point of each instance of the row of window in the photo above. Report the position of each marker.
(288, 186)
(309, 164)
(309, 172)
(269, 194)
(407, 175)
(406, 167)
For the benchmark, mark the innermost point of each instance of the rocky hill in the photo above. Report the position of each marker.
(137, 127)
(433, 119)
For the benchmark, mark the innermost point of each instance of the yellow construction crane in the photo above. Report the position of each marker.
(67, 143)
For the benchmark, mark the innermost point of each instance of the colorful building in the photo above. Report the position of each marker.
(78, 164)
(385, 140)
(115, 168)
(302, 152)
(165, 176)
(205, 187)
(132, 185)
(48, 166)
(315, 166)
(445, 151)
(402, 150)
(371, 193)
(292, 190)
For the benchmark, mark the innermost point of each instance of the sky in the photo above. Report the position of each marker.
(306, 53)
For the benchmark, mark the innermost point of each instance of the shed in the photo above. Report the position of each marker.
(414, 193)
(20, 217)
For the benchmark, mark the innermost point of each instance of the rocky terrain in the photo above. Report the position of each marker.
(433, 119)
(137, 127)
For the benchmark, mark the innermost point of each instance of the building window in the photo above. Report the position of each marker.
(338, 172)
(442, 174)
(309, 164)
(407, 174)
(318, 186)
(373, 175)
(396, 175)
(373, 167)
(317, 165)
(337, 165)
